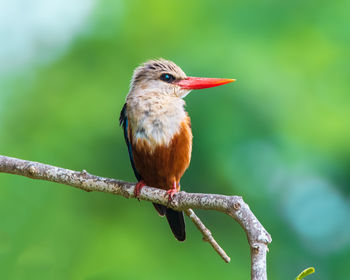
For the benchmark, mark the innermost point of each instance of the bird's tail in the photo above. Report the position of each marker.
(175, 219)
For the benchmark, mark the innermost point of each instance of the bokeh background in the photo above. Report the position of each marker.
(279, 136)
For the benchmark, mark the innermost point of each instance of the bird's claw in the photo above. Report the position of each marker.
(171, 192)
(138, 188)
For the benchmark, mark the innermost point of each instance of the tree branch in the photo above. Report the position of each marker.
(234, 206)
(207, 236)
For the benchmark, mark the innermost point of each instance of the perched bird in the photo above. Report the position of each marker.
(157, 129)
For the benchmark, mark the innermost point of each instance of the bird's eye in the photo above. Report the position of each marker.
(167, 78)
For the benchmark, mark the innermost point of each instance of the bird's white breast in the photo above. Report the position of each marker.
(154, 117)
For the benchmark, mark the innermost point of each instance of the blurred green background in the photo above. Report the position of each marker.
(279, 136)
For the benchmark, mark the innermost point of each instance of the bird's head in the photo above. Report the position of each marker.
(165, 77)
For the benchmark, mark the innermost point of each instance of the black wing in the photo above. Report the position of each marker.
(123, 121)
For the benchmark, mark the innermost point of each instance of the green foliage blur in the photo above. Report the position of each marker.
(279, 136)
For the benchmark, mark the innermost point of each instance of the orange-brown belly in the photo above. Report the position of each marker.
(163, 165)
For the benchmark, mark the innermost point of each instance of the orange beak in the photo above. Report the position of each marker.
(200, 83)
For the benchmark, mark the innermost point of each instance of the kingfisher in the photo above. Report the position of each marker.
(157, 130)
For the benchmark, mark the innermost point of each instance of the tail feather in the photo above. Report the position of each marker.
(177, 223)
(175, 220)
(161, 209)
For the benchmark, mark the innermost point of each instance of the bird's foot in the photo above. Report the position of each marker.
(171, 192)
(138, 188)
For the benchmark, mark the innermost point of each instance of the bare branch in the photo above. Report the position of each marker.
(234, 206)
(207, 236)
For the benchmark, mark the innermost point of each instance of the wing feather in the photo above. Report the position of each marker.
(123, 121)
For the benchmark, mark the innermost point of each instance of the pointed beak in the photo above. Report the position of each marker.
(200, 83)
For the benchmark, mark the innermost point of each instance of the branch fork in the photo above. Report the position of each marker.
(234, 206)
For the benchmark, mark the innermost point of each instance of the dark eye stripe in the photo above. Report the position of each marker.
(167, 78)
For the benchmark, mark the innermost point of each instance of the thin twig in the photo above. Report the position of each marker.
(234, 206)
(207, 236)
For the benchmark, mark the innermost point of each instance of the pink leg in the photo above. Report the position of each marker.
(172, 191)
(138, 189)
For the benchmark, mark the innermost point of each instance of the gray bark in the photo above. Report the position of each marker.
(234, 206)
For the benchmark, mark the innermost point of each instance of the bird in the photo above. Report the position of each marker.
(157, 130)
